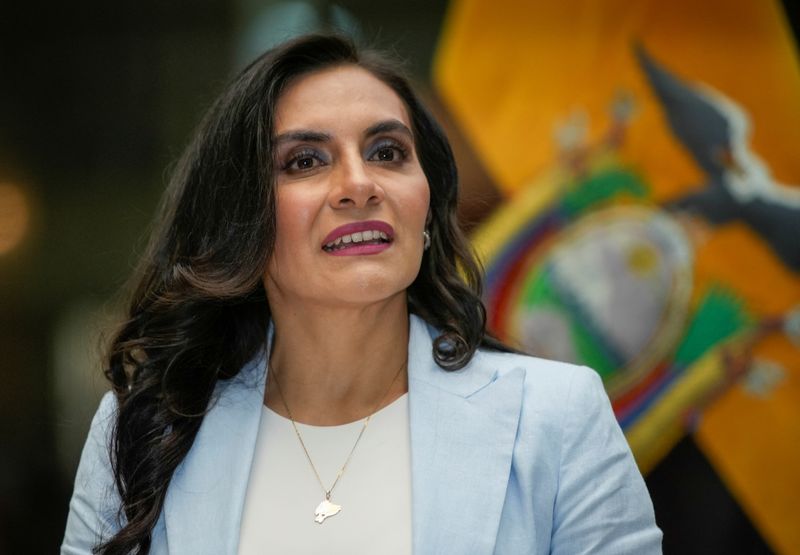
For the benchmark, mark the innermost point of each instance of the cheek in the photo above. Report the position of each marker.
(423, 205)
(416, 203)
(294, 216)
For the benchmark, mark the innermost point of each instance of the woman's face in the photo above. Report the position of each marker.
(352, 198)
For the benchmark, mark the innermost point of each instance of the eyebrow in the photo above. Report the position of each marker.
(309, 136)
(388, 126)
(303, 136)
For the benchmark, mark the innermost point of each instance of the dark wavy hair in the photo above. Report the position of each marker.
(198, 311)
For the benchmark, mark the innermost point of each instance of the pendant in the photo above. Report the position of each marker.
(326, 509)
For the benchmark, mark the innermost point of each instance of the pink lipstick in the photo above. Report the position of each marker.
(367, 237)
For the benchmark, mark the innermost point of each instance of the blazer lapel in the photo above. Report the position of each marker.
(463, 429)
(204, 503)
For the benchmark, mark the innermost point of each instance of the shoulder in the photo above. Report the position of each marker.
(98, 442)
(562, 404)
(547, 383)
(103, 422)
(94, 507)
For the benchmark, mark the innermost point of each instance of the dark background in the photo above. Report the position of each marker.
(97, 99)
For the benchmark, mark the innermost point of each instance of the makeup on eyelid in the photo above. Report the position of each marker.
(399, 152)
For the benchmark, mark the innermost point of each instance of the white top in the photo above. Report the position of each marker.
(374, 491)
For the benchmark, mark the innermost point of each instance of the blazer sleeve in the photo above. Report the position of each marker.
(93, 509)
(602, 505)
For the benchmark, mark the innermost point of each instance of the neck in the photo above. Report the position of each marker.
(338, 364)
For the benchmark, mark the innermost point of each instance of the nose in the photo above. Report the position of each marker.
(354, 185)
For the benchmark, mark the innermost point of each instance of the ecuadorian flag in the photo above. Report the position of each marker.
(648, 153)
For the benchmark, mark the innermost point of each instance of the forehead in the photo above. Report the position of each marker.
(338, 95)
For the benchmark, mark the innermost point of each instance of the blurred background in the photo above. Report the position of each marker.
(630, 177)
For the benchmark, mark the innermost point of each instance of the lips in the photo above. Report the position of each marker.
(366, 237)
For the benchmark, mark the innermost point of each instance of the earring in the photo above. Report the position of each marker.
(426, 240)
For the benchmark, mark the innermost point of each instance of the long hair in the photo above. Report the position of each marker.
(199, 312)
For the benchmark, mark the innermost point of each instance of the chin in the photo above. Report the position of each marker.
(366, 291)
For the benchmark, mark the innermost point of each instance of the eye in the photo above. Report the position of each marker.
(388, 151)
(303, 161)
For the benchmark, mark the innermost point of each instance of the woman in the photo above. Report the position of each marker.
(305, 365)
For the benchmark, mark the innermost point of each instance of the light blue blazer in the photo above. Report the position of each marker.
(510, 455)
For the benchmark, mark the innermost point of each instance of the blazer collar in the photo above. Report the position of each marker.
(463, 429)
(463, 425)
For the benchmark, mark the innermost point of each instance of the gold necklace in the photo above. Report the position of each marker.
(327, 508)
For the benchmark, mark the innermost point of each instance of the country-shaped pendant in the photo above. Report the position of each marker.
(326, 509)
